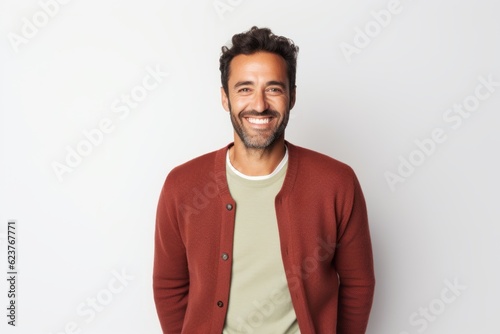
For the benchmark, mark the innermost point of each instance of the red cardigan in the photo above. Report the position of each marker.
(325, 245)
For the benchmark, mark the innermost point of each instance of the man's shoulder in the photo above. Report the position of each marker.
(196, 170)
(199, 162)
(202, 163)
(321, 163)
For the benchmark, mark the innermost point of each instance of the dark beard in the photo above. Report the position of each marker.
(246, 139)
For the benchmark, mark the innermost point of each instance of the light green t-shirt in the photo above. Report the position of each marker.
(259, 300)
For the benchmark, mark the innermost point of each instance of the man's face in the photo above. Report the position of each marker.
(259, 98)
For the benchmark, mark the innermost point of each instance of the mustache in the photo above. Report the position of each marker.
(265, 113)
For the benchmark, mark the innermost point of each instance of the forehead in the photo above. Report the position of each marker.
(265, 64)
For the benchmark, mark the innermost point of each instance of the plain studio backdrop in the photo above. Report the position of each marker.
(101, 99)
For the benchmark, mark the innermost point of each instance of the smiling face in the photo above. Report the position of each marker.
(259, 99)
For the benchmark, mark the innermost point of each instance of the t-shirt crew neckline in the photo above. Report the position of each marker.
(259, 177)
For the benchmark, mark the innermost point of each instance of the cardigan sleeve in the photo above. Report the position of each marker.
(170, 271)
(354, 264)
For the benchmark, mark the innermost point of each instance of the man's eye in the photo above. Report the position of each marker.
(244, 90)
(275, 90)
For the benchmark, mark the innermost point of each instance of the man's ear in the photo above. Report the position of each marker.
(293, 94)
(224, 99)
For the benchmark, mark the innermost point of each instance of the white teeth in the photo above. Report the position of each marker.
(259, 120)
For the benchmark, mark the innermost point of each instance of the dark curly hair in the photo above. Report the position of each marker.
(255, 40)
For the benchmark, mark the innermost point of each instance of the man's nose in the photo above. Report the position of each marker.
(259, 101)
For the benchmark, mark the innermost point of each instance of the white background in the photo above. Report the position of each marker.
(440, 224)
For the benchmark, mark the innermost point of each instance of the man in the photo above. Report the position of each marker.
(262, 236)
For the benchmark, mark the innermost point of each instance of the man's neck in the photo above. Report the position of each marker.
(256, 162)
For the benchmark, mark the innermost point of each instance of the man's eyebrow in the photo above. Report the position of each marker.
(269, 83)
(276, 83)
(243, 83)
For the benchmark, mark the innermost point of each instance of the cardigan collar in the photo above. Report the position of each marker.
(291, 173)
